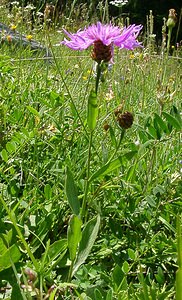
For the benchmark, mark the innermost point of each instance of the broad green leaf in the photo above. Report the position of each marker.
(131, 253)
(111, 166)
(92, 112)
(144, 286)
(172, 121)
(48, 191)
(33, 111)
(117, 275)
(11, 255)
(160, 276)
(71, 192)
(109, 295)
(152, 131)
(97, 295)
(74, 235)
(3, 248)
(89, 236)
(55, 250)
(4, 155)
(125, 267)
(161, 123)
(11, 147)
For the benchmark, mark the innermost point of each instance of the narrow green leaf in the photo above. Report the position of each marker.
(111, 166)
(161, 123)
(56, 249)
(172, 120)
(89, 236)
(71, 192)
(33, 111)
(113, 137)
(114, 164)
(152, 132)
(74, 235)
(167, 224)
(92, 111)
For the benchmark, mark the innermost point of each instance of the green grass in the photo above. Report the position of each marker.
(125, 246)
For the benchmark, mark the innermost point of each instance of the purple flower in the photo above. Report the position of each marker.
(103, 37)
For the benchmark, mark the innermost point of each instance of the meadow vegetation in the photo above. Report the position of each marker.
(125, 241)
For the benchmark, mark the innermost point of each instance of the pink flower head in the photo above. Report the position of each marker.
(103, 37)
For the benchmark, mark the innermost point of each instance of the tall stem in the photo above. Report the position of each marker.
(169, 39)
(99, 70)
(87, 176)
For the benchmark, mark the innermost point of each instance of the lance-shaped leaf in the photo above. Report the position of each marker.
(172, 120)
(71, 192)
(92, 113)
(74, 235)
(112, 165)
(89, 236)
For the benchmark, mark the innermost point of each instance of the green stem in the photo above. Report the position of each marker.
(99, 70)
(169, 39)
(70, 271)
(88, 176)
(118, 145)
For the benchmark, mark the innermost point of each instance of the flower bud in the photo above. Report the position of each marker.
(125, 120)
(172, 19)
(32, 275)
(106, 127)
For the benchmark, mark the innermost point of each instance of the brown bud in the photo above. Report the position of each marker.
(125, 120)
(32, 275)
(106, 126)
(172, 19)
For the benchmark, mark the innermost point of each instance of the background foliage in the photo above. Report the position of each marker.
(130, 245)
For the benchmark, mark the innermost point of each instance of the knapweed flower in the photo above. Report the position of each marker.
(103, 37)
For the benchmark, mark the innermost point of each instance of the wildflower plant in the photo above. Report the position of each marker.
(103, 38)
